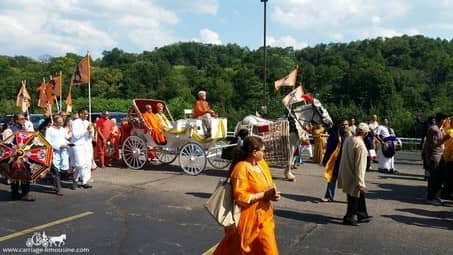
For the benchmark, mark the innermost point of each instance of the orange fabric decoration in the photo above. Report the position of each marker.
(157, 131)
(328, 174)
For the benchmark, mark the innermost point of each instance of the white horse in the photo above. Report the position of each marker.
(313, 113)
(308, 113)
(53, 240)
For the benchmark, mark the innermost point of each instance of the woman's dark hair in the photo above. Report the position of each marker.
(240, 153)
(440, 116)
(243, 133)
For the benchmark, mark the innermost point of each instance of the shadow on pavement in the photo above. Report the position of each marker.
(307, 217)
(41, 188)
(5, 195)
(398, 192)
(301, 198)
(422, 222)
(427, 213)
(199, 194)
(162, 167)
(216, 172)
(400, 177)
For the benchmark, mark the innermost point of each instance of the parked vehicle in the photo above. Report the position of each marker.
(34, 118)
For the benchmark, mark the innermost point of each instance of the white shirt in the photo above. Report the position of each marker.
(29, 126)
(80, 134)
(383, 131)
(56, 137)
(374, 125)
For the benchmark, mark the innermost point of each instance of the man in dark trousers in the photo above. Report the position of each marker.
(351, 176)
(433, 151)
(333, 153)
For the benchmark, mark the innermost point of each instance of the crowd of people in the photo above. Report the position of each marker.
(76, 143)
(346, 152)
(80, 146)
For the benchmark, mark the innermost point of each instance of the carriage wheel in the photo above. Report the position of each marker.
(215, 157)
(167, 155)
(134, 152)
(192, 159)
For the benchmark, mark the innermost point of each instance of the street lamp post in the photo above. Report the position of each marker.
(264, 107)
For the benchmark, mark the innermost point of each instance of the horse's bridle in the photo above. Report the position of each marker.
(313, 114)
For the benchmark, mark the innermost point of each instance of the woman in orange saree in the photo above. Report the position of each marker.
(253, 191)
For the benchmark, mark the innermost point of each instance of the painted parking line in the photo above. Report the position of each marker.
(211, 250)
(40, 227)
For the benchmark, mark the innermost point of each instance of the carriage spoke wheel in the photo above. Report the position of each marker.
(192, 159)
(135, 152)
(215, 156)
(167, 155)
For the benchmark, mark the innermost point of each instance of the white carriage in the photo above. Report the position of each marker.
(185, 140)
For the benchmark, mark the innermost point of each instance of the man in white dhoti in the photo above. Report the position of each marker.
(57, 136)
(82, 135)
(384, 135)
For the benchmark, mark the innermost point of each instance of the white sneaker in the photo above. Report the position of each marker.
(290, 176)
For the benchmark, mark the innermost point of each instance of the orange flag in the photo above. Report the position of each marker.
(294, 96)
(288, 80)
(42, 101)
(69, 101)
(23, 98)
(50, 93)
(56, 80)
(82, 73)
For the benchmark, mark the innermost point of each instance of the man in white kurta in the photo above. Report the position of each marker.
(386, 164)
(82, 134)
(351, 176)
(57, 136)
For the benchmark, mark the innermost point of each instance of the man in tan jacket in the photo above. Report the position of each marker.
(351, 176)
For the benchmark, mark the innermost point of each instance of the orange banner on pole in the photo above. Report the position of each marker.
(50, 92)
(57, 82)
(288, 80)
(42, 101)
(23, 98)
(82, 73)
(69, 102)
(294, 96)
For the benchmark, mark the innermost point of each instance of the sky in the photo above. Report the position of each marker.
(37, 28)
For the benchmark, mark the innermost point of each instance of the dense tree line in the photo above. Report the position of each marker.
(393, 77)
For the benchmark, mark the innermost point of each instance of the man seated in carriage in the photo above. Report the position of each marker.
(202, 111)
(154, 125)
(160, 114)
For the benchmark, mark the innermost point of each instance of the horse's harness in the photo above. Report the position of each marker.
(313, 108)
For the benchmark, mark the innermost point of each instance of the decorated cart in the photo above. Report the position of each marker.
(186, 141)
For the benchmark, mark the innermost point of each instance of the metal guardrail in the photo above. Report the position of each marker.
(413, 141)
(404, 140)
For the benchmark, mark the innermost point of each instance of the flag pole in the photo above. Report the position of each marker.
(89, 88)
(61, 90)
(28, 112)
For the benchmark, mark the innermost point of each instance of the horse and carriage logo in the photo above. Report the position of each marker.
(41, 239)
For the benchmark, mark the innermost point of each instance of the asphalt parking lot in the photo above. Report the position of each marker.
(159, 210)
